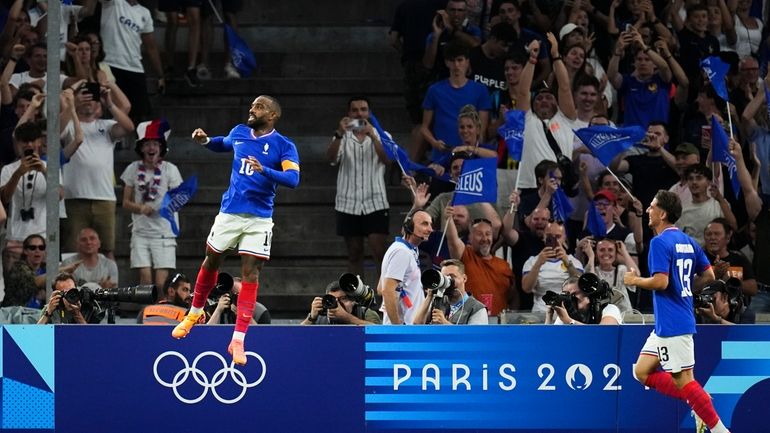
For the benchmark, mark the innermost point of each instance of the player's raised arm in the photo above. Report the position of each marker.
(217, 144)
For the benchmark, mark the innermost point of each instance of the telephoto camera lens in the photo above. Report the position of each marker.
(354, 287)
(433, 279)
(142, 294)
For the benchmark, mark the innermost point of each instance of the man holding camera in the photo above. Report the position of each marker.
(550, 268)
(447, 302)
(23, 189)
(338, 307)
(723, 303)
(578, 310)
(400, 284)
(678, 266)
(59, 309)
(361, 203)
(225, 311)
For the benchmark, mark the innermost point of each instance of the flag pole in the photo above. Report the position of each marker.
(621, 184)
(516, 185)
(443, 236)
(411, 188)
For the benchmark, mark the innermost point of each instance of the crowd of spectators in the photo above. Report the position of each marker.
(567, 64)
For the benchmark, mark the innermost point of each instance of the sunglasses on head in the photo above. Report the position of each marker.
(34, 247)
(481, 220)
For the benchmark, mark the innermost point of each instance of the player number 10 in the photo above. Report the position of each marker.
(246, 167)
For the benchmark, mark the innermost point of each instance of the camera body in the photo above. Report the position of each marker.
(356, 125)
(27, 214)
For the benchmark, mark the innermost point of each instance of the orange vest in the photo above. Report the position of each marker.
(163, 314)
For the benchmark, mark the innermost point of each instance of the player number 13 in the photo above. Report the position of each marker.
(684, 266)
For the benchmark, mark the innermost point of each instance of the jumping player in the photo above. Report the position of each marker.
(263, 159)
(674, 260)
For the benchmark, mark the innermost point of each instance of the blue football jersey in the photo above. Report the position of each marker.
(680, 257)
(251, 192)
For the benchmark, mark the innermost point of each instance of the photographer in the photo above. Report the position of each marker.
(342, 310)
(454, 306)
(722, 303)
(60, 309)
(224, 311)
(587, 301)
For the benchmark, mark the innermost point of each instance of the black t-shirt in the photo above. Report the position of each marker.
(693, 49)
(486, 71)
(738, 263)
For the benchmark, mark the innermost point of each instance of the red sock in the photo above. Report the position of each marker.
(246, 300)
(700, 402)
(206, 281)
(662, 382)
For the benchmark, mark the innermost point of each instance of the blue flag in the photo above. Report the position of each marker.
(477, 182)
(396, 153)
(606, 142)
(720, 152)
(240, 54)
(512, 132)
(595, 223)
(561, 208)
(175, 199)
(716, 70)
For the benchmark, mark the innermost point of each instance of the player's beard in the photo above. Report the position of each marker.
(256, 122)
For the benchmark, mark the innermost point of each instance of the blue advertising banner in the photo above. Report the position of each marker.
(393, 379)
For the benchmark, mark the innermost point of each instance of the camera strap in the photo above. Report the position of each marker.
(33, 183)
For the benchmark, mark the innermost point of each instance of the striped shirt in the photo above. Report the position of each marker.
(360, 177)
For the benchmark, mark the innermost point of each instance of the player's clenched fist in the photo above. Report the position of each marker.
(200, 136)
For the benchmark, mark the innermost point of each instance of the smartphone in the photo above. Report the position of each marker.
(28, 152)
(551, 241)
(94, 90)
(628, 27)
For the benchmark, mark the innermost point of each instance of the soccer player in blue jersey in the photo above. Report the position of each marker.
(677, 265)
(263, 159)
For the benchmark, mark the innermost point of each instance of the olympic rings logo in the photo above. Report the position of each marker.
(200, 377)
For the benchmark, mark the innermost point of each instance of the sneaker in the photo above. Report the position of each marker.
(700, 426)
(236, 349)
(230, 72)
(183, 328)
(203, 73)
(192, 78)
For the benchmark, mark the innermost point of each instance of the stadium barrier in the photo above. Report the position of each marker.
(367, 379)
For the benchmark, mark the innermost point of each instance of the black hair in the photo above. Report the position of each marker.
(359, 98)
(543, 167)
(699, 169)
(725, 224)
(669, 203)
(63, 276)
(28, 131)
(454, 50)
(660, 123)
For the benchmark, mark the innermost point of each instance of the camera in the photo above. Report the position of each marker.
(73, 296)
(27, 214)
(223, 287)
(356, 124)
(702, 300)
(557, 299)
(329, 302)
(355, 288)
(593, 286)
(140, 294)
